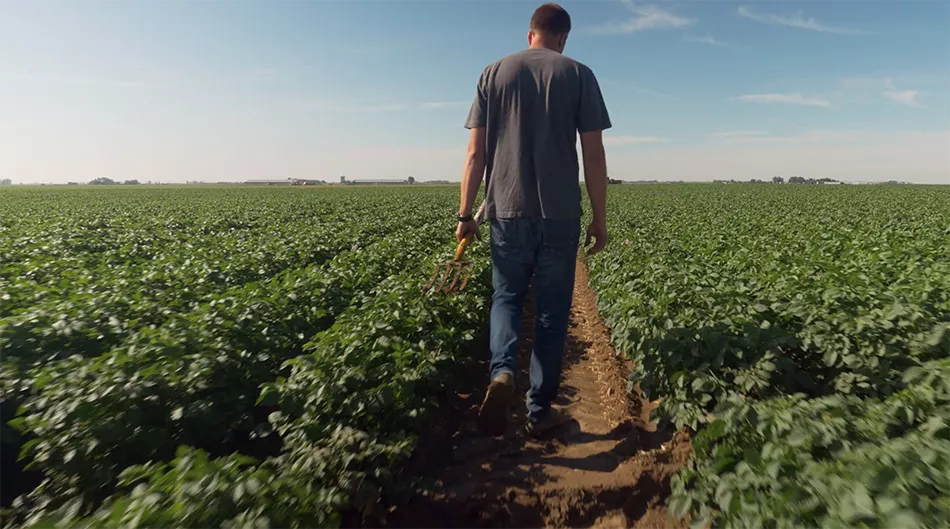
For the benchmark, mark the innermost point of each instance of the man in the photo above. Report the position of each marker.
(528, 110)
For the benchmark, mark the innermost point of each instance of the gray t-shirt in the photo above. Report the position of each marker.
(532, 104)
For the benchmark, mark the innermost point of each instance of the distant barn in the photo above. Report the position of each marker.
(384, 181)
(377, 181)
(268, 182)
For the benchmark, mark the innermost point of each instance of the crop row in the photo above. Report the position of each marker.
(93, 354)
(142, 269)
(349, 414)
(300, 380)
(346, 414)
(791, 302)
(836, 461)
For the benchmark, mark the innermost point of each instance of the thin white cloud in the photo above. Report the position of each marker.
(728, 134)
(72, 80)
(649, 92)
(807, 137)
(648, 16)
(630, 140)
(625, 88)
(328, 105)
(445, 104)
(826, 137)
(790, 99)
(904, 97)
(707, 39)
(325, 105)
(794, 21)
(871, 89)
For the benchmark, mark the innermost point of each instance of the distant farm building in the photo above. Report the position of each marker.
(306, 182)
(377, 181)
(286, 182)
(269, 182)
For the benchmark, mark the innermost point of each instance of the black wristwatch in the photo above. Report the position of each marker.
(464, 218)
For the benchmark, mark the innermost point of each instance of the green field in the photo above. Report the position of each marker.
(805, 332)
(235, 356)
(164, 335)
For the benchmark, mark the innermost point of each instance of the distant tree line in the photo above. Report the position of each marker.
(780, 180)
(6, 182)
(803, 180)
(628, 182)
(103, 181)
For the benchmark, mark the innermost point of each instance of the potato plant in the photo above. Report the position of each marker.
(184, 343)
(782, 324)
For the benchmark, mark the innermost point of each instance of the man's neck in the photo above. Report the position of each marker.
(537, 46)
(544, 42)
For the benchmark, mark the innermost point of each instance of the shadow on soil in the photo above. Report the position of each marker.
(474, 480)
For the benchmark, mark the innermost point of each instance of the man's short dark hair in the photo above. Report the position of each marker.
(551, 19)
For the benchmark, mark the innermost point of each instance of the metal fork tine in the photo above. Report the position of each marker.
(450, 276)
(454, 276)
(468, 275)
(453, 273)
(432, 279)
(445, 276)
(436, 280)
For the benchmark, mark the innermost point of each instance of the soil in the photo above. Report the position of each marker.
(608, 467)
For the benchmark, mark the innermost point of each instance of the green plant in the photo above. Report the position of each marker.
(787, 327)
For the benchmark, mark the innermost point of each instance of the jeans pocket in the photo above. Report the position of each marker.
(506, 237)
(561, 237)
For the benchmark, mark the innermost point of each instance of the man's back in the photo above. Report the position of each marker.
(532, 104)
(524, 122)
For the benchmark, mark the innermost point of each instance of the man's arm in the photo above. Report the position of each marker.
(473, 171)
(593, 119)
(475, 157)
(595, 178)
(472, 176)
(595, 173)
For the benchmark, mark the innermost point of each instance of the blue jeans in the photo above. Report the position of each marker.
(546, 249)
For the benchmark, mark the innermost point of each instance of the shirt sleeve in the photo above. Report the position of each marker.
(592, 112)
(478, 113)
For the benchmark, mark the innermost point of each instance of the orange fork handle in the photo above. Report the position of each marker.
(463, 244)
(467, 240)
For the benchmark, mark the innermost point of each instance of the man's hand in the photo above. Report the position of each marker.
(597, 230)
(466, 228)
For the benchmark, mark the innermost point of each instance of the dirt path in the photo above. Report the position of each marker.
(606, 468)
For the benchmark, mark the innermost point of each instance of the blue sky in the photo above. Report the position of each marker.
(227, 90)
